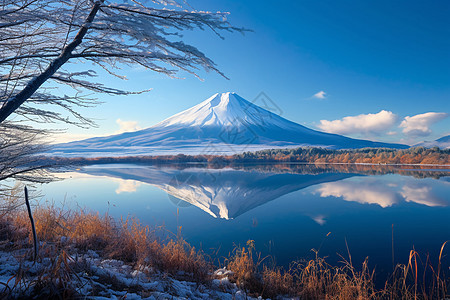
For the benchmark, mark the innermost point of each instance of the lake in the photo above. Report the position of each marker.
(289, 209)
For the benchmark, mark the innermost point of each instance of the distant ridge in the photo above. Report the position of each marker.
(443, 143)
(225, 123)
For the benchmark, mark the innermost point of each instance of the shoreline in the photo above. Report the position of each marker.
(412, 157)
(85, 255)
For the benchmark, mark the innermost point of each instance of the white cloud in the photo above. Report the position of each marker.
(364, 123)
(68, 137)
(127, 126)
(320, 95)
(124, 126)
(419, 125)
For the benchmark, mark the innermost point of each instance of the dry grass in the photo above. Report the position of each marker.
(313, 279)
(244, 265)
(61, 231)
(128, 240)
(316, 279)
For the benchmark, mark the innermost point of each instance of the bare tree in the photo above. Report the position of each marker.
(18, 144)
(46, 44)
(40, 41)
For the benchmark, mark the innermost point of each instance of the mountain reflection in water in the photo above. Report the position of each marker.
(287, 209)
(229, 192)
(222, 193)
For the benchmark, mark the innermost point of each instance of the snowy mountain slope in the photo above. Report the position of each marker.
(443, 143)
(223, 123)
(222, 193)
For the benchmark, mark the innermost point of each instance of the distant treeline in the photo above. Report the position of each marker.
(417, 155)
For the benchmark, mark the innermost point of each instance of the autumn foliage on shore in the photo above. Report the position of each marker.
(417, 155)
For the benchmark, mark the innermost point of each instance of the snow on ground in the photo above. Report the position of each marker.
(98, 278)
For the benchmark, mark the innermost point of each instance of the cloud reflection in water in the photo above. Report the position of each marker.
(382, 192)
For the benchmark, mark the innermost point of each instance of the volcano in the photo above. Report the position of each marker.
(225, 123)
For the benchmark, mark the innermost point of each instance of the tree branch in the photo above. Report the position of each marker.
(14, 102)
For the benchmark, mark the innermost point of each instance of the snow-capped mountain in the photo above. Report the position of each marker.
(443, 143)
(223, 123)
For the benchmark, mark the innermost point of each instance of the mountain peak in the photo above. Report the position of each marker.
(221, 109)
(223, 101)
(221, 97)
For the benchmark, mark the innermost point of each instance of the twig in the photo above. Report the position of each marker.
(30, 215)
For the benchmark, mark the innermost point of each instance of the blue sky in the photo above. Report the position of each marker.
(378, 69)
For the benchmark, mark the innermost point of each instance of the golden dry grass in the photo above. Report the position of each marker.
(128, 240)
(316, 279)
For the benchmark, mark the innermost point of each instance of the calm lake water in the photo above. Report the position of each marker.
(286, 209)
